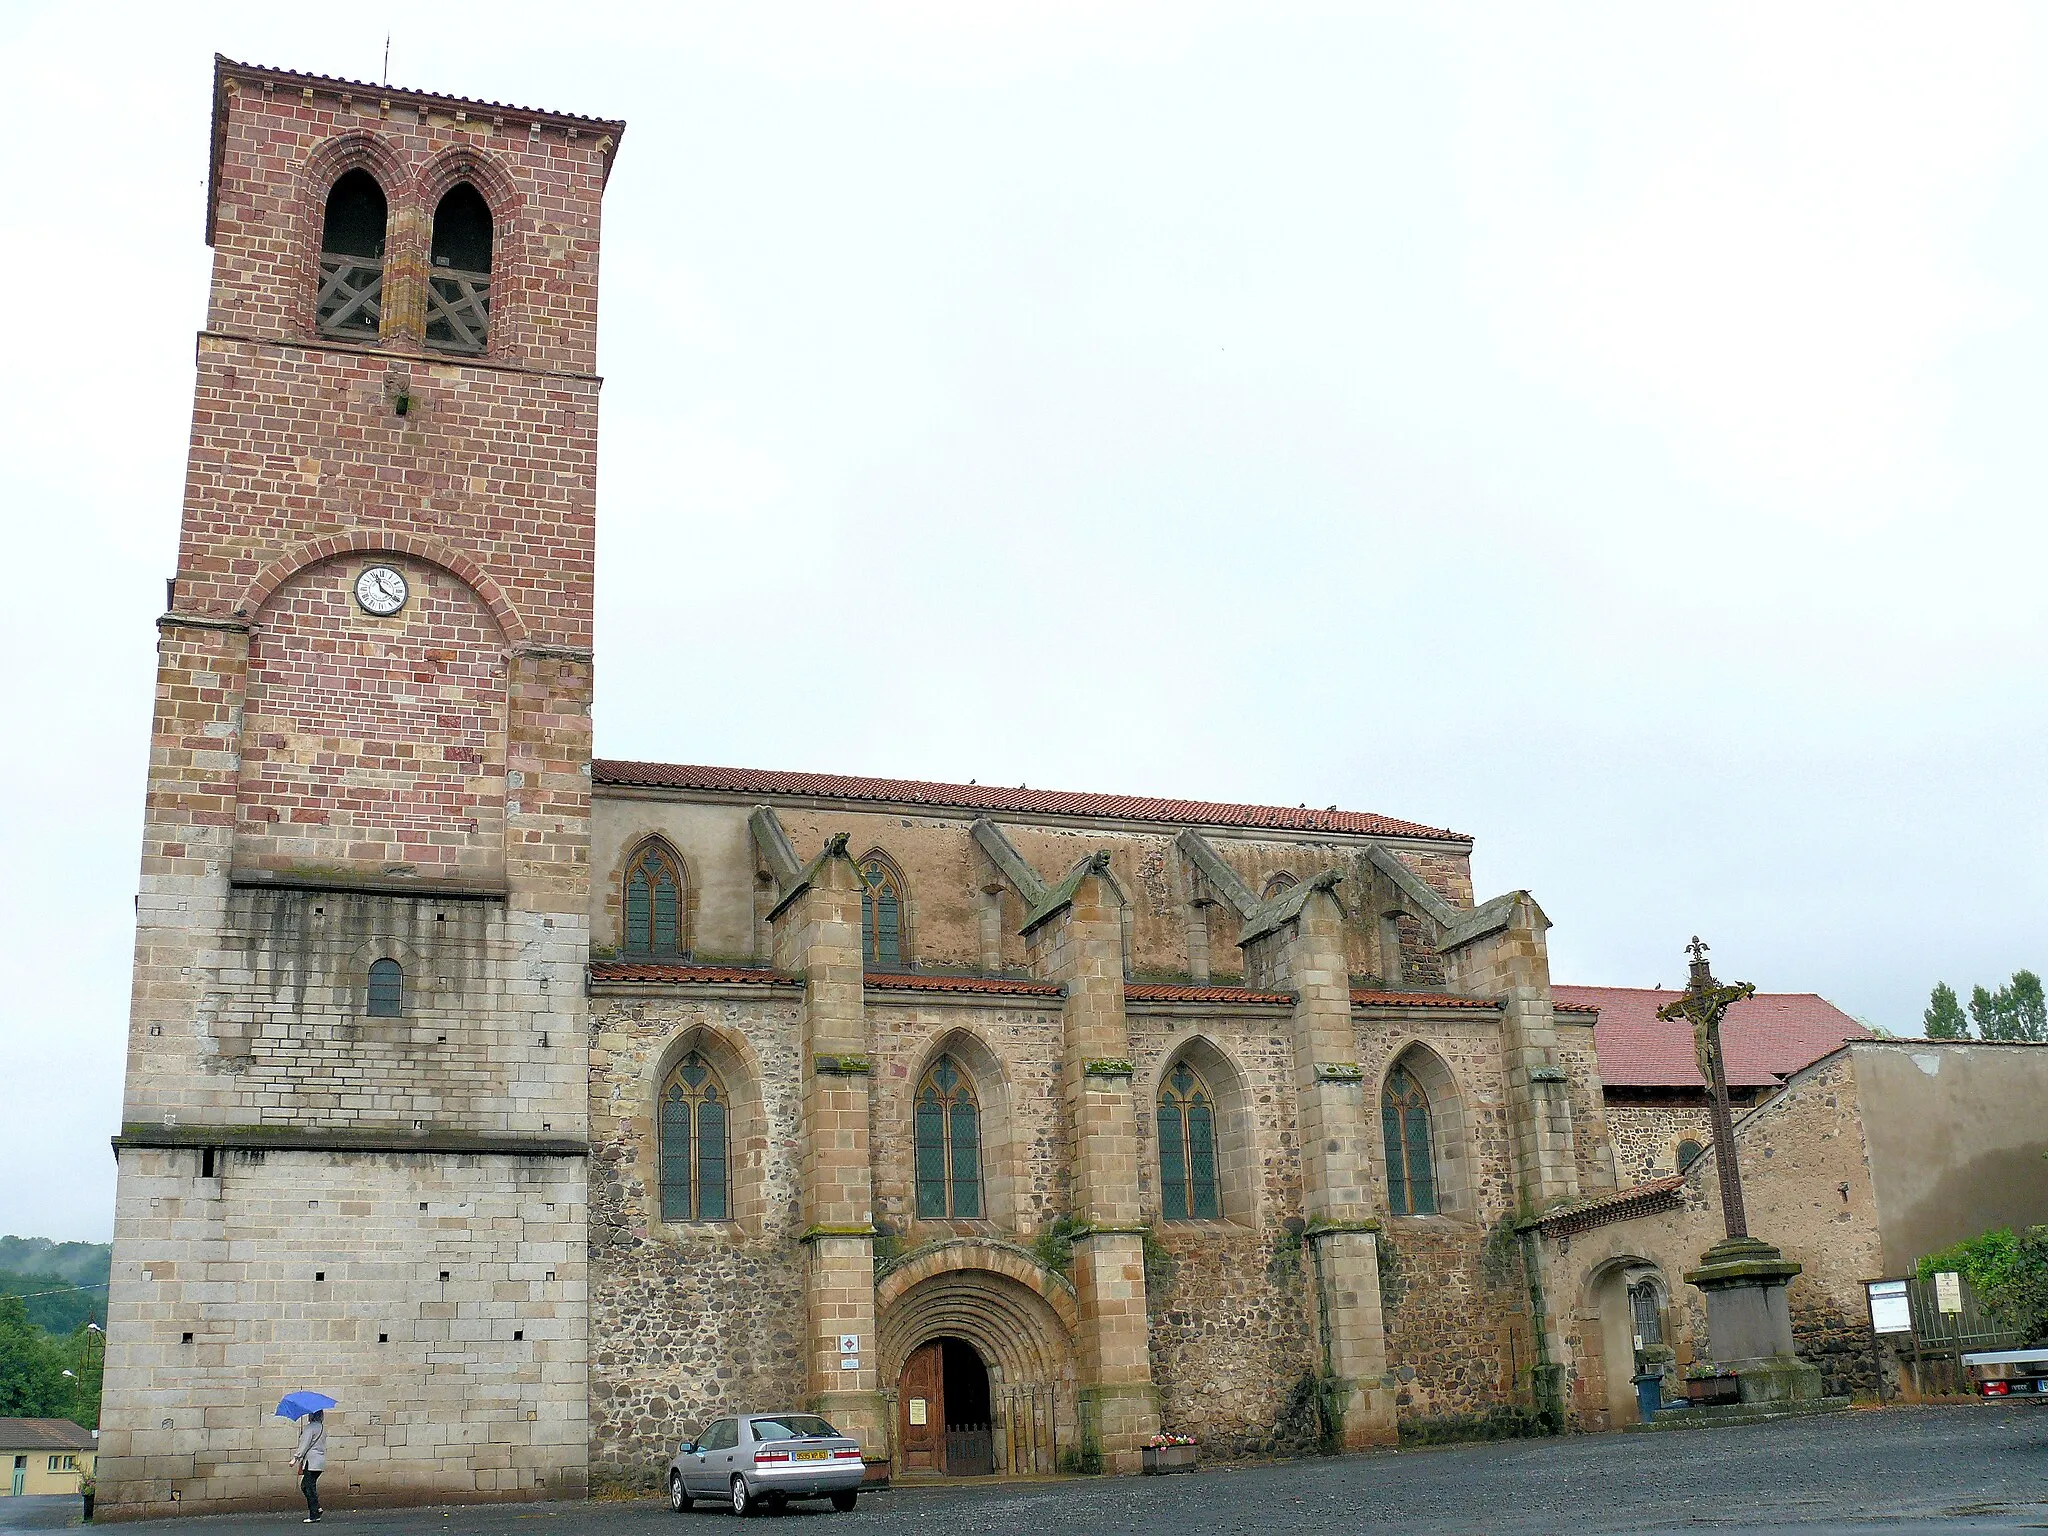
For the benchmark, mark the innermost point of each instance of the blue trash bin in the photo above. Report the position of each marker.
(1649, 1395)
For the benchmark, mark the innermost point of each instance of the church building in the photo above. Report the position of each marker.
(542, 1108)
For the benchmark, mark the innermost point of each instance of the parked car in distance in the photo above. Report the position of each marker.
(2009, 1372)
(758, 1460)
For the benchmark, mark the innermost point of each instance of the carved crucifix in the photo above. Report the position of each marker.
(1702, 1005)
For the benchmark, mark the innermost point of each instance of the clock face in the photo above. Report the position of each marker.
(381, 590)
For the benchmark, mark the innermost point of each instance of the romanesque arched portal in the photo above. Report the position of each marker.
(1015, 1314)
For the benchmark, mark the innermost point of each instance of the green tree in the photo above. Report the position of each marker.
(2008, 1270)
(32, 1366)
(1944, 1017)
(2016, 1011)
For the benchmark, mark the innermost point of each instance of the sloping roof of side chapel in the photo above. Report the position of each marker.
(1765, 1038)
(1017, 800)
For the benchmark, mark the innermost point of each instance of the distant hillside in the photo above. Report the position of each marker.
(80, 1263)
(53, 1304)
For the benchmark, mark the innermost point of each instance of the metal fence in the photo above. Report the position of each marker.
(1931, 1355)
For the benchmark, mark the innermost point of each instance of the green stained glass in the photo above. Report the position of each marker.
(1173, 1166)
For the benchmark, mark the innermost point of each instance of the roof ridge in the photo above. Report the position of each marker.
(308, 77)
(1022, 799)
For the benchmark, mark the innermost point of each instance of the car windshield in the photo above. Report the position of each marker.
(792, 1426)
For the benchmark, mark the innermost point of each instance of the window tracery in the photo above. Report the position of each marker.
(947, 1129)
(694, 1122)
(1187, 1148)
(1411, 1155)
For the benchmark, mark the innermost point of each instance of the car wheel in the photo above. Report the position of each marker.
(742, 1501)
(844, 1502)
(678, 1500)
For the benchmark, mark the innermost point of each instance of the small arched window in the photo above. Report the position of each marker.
(459, 284)
(1187, 1148)
(351, 298)
(1411, 1159)
(1646, 1312)
(881, 912)
(654, 903)
(1688, 1153)
(387, 989)
(694, 1119)
(1280, 885)
(948, 1135)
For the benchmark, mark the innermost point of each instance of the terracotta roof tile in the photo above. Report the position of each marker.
(995, 797)
(1766, 1038)
(1637, 1200)
(1563, 1007)
(993, 986)
(1370, 997)
(689, 975)
(1166, 992)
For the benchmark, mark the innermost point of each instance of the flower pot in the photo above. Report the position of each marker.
(1701, 1391)
(1161, 1459)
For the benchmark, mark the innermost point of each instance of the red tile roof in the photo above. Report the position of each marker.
(1166, 992)
(1766, 1038)
(996, 797)
(1560, 1006)
(1373, 998)
(689, 975)
(1637, 1200)
(993, 986)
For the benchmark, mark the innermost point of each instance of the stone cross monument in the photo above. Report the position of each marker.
(1749, 1321)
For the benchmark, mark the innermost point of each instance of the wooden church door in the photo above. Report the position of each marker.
(921, 1411)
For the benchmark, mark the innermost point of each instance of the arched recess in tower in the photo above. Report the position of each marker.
(459, 284)
(408, 707)
(352, 235)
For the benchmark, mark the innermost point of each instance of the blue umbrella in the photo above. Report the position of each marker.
(297, 1405)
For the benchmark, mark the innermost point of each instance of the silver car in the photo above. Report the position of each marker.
(767, 1459)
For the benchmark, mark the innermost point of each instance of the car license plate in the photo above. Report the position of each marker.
(812, 1455)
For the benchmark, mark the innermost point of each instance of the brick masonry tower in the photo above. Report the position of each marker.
(353, 1146)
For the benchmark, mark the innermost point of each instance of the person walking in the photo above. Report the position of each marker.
(309, 1461)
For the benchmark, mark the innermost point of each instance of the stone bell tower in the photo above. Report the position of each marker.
(352, 1155)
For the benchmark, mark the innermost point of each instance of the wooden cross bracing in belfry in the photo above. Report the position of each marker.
(1703, 1004)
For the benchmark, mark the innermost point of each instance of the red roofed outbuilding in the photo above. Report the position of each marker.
(1655, 1099)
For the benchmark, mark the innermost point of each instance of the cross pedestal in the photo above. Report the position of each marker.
(1749, 1321)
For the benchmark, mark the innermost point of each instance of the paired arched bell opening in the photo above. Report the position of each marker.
(975, 1344)
(356, 240)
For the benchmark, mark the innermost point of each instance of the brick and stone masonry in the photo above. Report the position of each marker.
(388, 1206)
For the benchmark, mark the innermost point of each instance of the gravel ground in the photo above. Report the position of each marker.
(1977, 1467)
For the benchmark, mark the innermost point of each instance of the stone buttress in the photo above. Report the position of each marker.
(817, 936)
(1076, 938)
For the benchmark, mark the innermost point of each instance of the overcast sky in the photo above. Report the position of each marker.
(1616, 433)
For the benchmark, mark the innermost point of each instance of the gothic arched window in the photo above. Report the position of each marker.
(1411, 1162)
(948, 1135)
(459, 281)
(881, 912)
(694, 1117)
(1187, 1148)
(351, 295)
(654, 903)
(387, 990)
